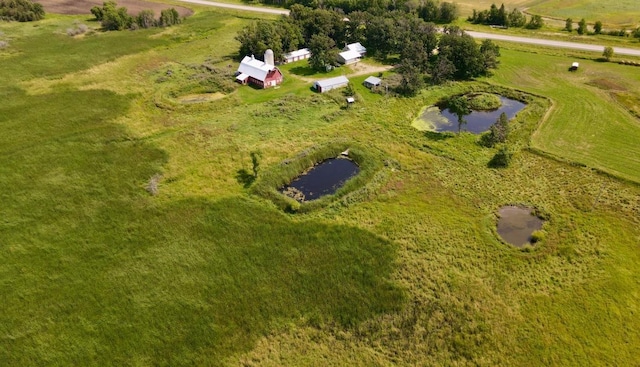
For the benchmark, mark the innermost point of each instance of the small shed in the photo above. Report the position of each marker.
(349, 57)
(574, 66)
(357, 47)
(326, 85)
(297, 55)
(371, 82)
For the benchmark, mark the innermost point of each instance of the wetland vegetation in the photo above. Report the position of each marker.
(402, 266)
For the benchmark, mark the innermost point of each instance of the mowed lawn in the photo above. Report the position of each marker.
(586, 124)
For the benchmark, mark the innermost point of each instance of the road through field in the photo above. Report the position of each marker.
(492, 36)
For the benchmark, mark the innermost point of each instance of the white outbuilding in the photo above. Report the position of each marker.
(297, 55)
(348, 57)
(357, 47)
(326, 85)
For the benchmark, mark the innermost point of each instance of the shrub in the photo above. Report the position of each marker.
(484, 102)
(537, 236)
(21, 10)
(79, 29)
(502, 159)
(169, 17)
(146, 19)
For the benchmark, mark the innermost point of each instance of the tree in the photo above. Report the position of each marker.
(323, 52)
(516, 19)
(146, 19)
(442, 70)
(412, 80)
(459, 106)
(490, 52)
(463, 52)
(597, 28)
(498, 132)
(568, 25)
(582, 27)
(448, 12)
(21, 10)
(608, 53)
(536, 22)
(169, 17)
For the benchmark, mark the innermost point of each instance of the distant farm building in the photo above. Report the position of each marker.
(357, 47)
(259, 73)
(371, 82)
(328, 84)
(297, 55)
(348, 57)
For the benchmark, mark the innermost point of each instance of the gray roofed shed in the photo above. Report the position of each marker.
(372, 81)
(331, 83)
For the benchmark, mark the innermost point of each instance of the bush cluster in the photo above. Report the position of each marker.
(21, 10)
(114, 18)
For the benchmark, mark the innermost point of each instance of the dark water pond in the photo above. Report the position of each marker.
(516, 224)
(477, 122)
(322, 179)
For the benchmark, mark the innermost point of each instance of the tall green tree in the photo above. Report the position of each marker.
(582, 27)
(568, 25)
(463, 51)
(608, 53)
(490, 53)
(536, 22)
(516, 19)
(323, 52)
(597, 27)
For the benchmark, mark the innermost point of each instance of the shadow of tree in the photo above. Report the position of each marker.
(245, 178)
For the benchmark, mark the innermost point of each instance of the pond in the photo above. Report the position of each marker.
(436, 119)
(516, 224)
(325, 178)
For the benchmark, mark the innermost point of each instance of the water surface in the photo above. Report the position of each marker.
(516, 224)
(322, 179)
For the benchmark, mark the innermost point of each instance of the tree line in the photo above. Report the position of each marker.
(503, 18)
(583, 29)
(115, 18)
(21, 10)
(421, 50)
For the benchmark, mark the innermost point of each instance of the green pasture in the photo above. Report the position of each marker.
(407, 270)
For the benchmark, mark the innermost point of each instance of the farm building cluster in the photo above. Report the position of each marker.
(265, 74)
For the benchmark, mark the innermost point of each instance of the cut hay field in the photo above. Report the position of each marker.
(616, 14)
(408, 270)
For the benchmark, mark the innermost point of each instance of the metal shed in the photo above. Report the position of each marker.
(326, 85)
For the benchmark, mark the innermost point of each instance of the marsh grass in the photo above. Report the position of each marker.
(405, 269)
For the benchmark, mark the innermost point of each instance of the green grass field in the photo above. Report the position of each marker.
(96, 271)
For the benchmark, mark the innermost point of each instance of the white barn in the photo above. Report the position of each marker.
(326, 85)
(357, 47)
(297, 55)
(371, 82)
(349, 57)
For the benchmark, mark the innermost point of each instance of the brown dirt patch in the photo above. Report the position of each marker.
(606, 84)
(76, 7)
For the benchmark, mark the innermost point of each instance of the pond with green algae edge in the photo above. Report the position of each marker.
(439, 119)
(517, 224)
(325, 178)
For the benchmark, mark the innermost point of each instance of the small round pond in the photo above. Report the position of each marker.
(322, 179)
(516, 224)
(437, 119)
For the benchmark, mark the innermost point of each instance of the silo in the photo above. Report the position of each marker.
(268, 57)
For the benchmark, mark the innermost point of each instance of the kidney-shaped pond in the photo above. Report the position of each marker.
(439, 120)
(322, 179)
(516, 224)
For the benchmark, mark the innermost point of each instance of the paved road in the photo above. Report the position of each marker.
(492, 36)
(550, 43)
